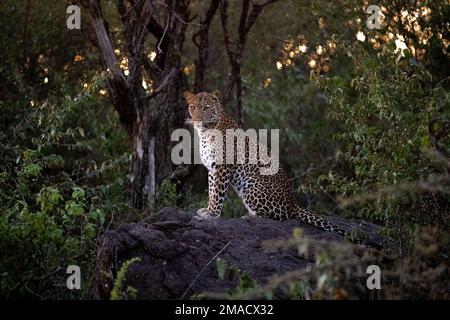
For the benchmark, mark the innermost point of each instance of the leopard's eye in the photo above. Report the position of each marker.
(191, 106)
(207, 106)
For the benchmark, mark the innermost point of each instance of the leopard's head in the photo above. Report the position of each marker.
(203, 107)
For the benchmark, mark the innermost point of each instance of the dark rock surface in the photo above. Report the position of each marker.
(173, 250)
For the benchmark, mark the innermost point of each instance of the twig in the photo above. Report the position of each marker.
(164, 4)
(133, 7)
(162, 37)
(203, 269)
(163, 84)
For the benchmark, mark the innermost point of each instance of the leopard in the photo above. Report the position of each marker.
(263, 195)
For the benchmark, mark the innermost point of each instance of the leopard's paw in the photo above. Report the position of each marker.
(204, 214)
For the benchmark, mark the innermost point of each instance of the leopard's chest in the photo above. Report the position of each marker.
(208, 149)
(207, 154)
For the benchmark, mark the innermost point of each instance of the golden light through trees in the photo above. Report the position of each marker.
(395, 26)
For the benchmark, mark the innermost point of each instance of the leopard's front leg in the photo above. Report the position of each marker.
(218, 183)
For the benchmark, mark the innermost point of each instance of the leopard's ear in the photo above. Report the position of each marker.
(216, 93)
(189, 96)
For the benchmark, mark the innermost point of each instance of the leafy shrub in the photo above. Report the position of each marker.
(339, 270)
(117, 292)
(54, 198)
(388, 108)
(167, 194)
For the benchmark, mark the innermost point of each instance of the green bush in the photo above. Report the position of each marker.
(390, 166)
(54, 198)
(339, 270)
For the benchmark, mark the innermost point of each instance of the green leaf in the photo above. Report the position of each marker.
(74, 209)
(425, 141)
(391, 45)
(246, 282)
(406, 53)
(221, 267)
(32, 170)
(54, 196)
(81, 131)
(98, 215)
(78, 193)
(233, 272)
(90, 230)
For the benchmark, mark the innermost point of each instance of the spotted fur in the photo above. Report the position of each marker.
(268, 196)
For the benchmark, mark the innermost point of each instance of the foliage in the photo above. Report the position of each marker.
(339, 271)
(167, 195)
(117, 293)
(245, 284)
(384, 137)
(56, 194)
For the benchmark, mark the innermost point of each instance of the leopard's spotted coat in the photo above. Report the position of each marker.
(268, 196)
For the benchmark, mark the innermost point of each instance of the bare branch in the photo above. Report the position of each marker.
(243, 22)
(226, 35)
(104, 43)
(203, 45)
(140, 32)
(162, 36)
(152, 68)
(133, 7)
(167, 80)
(236, 51)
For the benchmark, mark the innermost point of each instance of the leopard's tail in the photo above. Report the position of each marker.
(318, 222)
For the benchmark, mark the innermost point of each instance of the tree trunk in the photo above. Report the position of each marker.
(151, 162)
